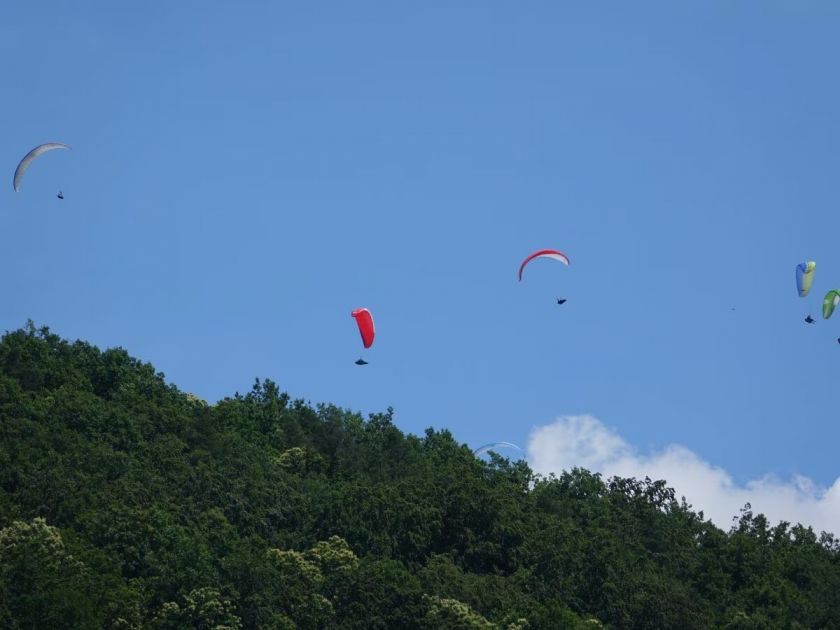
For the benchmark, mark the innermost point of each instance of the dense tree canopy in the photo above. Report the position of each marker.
(125, 503)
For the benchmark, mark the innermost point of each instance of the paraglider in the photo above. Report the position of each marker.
(544, 253)
(804, 279)
(492, 446)
(831, 300)
(364, 320)
(30, 157)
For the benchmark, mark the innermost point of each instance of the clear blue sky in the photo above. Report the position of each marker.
(243, 175)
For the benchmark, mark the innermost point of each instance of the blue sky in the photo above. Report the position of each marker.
(244, 175)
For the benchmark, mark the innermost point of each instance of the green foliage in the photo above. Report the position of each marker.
(125, 503)
(202, 609)
(447, 614)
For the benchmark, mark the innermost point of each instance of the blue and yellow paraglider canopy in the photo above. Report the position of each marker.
(804, 277)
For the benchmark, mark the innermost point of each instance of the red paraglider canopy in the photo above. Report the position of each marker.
(544, 253)
(365, 322)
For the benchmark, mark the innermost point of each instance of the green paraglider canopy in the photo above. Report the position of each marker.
(832, 298)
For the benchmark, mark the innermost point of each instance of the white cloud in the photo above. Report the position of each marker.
(585, 442)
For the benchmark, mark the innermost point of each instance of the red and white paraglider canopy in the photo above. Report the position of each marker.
(544, 253)
(365, 322)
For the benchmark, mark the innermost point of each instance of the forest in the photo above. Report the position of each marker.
(127, 503)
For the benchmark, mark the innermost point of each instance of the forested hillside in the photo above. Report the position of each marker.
(126, 503)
